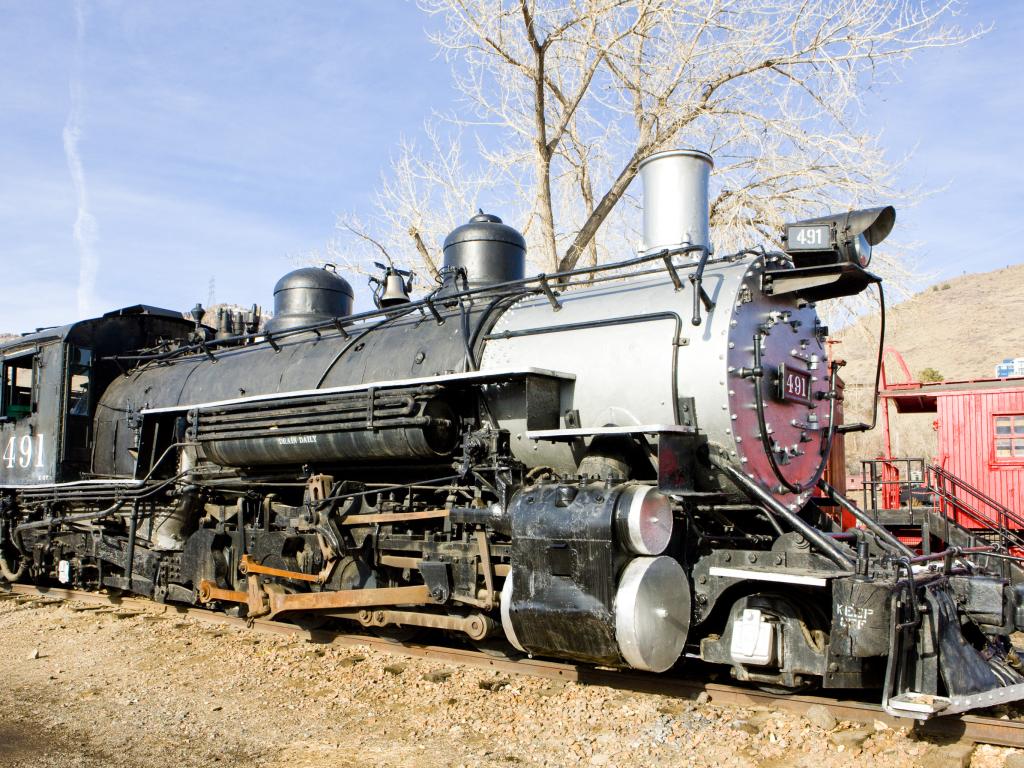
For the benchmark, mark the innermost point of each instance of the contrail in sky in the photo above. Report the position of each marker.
(85, 222)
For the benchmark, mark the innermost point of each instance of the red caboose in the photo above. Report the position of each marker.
(980, 426)
(972, 493)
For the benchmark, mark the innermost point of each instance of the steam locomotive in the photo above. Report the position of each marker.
(620, 465)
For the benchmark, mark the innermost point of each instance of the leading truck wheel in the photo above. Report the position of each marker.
(496, 648)
(808, 686)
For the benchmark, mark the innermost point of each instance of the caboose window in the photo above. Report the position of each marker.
(18, 387)
(1009, 438)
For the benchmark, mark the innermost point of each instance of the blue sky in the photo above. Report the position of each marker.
(220, 141)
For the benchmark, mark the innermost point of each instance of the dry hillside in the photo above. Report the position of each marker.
(960, 328)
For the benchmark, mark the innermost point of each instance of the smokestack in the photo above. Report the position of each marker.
(675, 200)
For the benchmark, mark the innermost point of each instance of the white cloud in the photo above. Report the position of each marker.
(85, 230)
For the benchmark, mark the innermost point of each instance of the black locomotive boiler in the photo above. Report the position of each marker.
(612, 464)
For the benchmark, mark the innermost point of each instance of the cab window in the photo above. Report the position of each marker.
(79, 369)
(18, 387)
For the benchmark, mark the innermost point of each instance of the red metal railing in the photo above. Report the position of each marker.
(884, 482)
(962, 504)
(887, 486)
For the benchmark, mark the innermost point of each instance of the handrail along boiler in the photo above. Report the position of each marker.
(610, 464)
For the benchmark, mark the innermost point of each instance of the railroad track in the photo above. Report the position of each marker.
(978, 729)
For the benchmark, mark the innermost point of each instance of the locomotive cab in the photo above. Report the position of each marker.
(46, 409)
(28, 408)
(51, 382)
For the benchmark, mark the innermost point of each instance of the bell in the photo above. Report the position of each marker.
(395, 291)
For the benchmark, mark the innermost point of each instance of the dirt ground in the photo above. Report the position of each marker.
(90, 687)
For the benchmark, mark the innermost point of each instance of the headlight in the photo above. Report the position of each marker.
(860, 250)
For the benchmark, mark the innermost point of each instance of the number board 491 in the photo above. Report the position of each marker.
(23, 452)
(816, 237)
(794, 386)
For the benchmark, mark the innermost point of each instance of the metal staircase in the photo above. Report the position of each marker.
(946, 507)
(998, 525)
(964, 512)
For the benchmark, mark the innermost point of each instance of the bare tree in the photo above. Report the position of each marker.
(424, 193)
(565, 99)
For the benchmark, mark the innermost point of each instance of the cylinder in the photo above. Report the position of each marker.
(643, 520)
(652, 613)
(675, 212)
(310, 295)
(489, 251)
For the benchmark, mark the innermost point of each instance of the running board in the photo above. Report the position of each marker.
(922, 706)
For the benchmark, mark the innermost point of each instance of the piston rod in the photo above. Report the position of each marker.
(824, 545)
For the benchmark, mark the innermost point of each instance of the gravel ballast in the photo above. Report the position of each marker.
(115, 688)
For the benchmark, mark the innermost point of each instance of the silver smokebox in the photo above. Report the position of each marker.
(675, 199)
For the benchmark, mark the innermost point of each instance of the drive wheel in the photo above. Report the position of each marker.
(309, 621)
(399, 635)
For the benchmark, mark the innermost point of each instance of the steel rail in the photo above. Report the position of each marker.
(977, 729)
